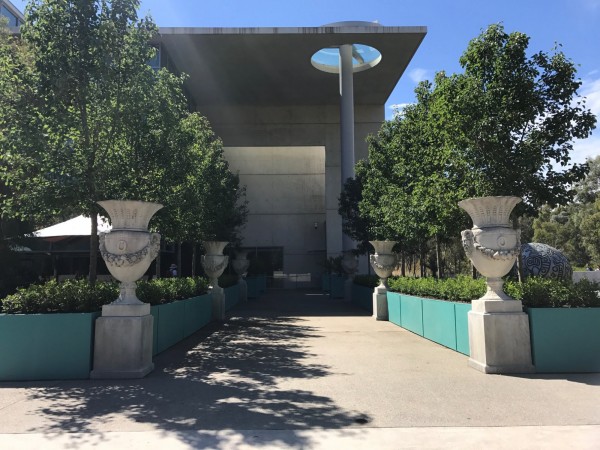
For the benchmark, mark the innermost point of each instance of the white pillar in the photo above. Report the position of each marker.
(347, 122)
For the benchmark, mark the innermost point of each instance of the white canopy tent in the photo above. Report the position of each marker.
(78, 226)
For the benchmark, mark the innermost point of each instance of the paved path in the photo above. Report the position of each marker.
(300, 370)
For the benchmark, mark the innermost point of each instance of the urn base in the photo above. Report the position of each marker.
(380, 305)
(499, 337)
(123, 347)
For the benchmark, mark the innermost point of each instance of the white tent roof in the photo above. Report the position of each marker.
(78, 226)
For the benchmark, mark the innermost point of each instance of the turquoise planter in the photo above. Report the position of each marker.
(437, 320)
(171, 321)
(565, 339)
(393, 301)
(253, 287)
(232, 296)
(155, 310)
(337, 286)
(325, 282)
(461, 312)
(362, 296)
(46, 346)
(197, 311)
(411, 313)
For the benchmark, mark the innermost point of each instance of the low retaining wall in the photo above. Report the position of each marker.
(565, 339)
(46, 346)
(334, 284)
(439, 321)
(362, 296)
(232, 296)
(175, 321)
(256, 285)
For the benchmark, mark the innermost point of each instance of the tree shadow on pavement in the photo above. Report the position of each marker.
(226, 376)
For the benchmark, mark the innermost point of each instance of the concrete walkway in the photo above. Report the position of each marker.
(300, 370)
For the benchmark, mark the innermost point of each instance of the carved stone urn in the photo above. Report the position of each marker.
(123, 336)
(129, 248)
(499, 337)
(383, 263)
(492, 244)
(240, 265)
(214, 263)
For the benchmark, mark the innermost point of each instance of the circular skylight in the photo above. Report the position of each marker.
(363, 57)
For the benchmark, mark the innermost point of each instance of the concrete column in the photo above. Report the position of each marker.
(347, 122)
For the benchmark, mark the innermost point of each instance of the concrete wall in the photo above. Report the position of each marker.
(280, 128)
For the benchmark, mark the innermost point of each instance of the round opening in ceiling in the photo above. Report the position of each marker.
(363, 57)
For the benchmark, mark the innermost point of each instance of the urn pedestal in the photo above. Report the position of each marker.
(383, 263)
(214, 263)
(123, 335)
(240, 265)
(499, 336)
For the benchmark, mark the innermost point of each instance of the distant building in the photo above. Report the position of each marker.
(10, 11)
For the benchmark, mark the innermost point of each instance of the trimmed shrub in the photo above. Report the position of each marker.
(371, 281)
(550, 293)
(459, 289)
(79, 296)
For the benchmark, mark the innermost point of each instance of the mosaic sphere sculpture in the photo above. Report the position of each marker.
(541, 260)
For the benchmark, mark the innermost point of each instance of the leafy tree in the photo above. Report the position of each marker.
(512, 117)
(590, 227)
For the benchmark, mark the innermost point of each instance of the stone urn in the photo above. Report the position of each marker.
(214, 263)
(129, 248)
(492, 244)
(499, 338)
(383, 263)
(124, 333)
(240, 265)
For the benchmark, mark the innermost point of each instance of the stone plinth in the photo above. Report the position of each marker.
(499, 337)
(380, 306)
(123, 342)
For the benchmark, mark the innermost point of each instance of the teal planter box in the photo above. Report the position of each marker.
(439, 322)
(565, 339)
(253, 287)
(171, 322)
(155, 310)
(337, 286)
(325, 282)
(411, 313)
(198, 313)
(232, 296)
(46, 346)
(362, 296)
(461, 312)
(393, 301)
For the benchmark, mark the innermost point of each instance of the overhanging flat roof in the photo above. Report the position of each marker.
(271, 66)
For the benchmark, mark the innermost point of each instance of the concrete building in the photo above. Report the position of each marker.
(280, 120)
(11, 13)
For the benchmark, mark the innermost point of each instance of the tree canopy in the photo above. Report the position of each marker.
(89, 120)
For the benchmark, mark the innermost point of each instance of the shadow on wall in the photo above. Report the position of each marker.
(223, 377)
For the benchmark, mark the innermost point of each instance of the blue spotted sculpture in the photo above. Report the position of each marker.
(541, 260)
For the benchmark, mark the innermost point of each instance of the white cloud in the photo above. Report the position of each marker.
(418, 74)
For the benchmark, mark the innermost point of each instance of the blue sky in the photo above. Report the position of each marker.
(575, 24)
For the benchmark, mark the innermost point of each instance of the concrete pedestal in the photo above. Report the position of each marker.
(218, 303)
(380, 306)
(123, 342)
(499, 337)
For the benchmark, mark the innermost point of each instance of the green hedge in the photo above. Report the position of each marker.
(459, 289)
(78, 296)
(551, 293)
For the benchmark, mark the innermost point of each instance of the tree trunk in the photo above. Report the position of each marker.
(473, 271)
(194, 250)
(179, 268)
(402, 264)
(519, 268)
(437, 257)
(93, 248)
